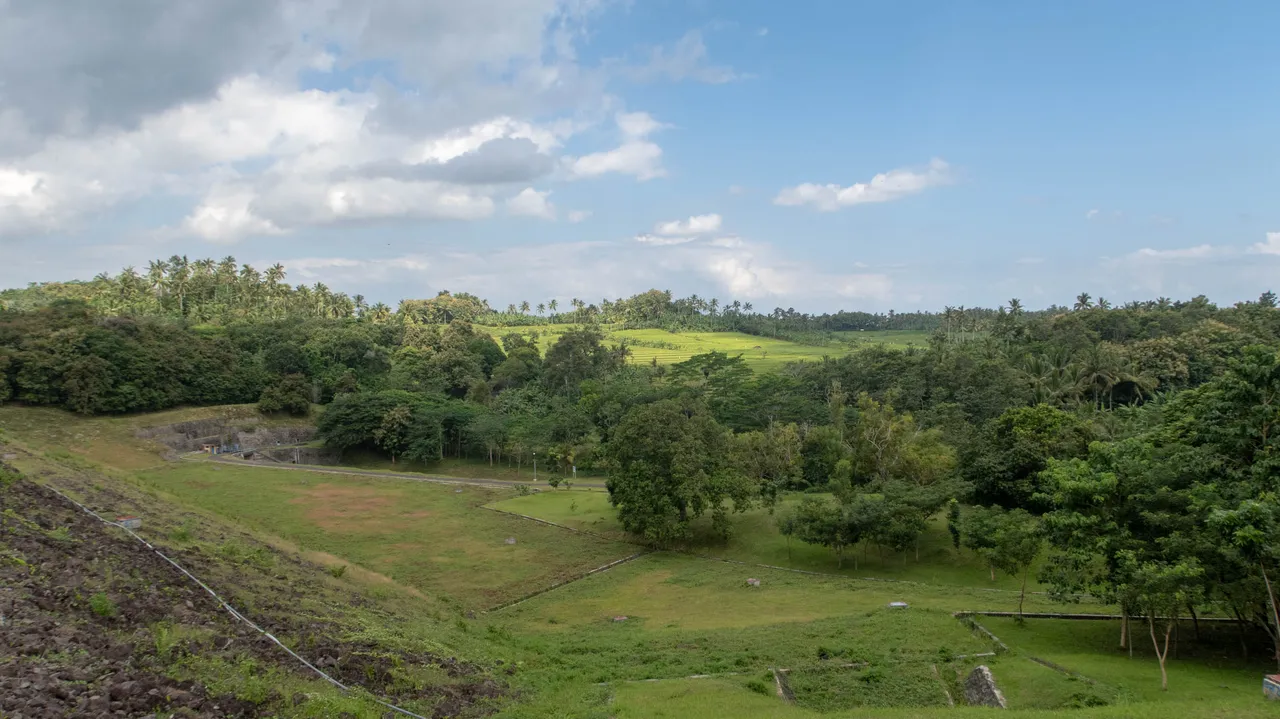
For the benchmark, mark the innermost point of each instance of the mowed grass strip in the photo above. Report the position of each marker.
(425, 535)
(755, 539)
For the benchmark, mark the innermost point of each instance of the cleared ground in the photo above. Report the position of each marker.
(432, 537)
(423, 556)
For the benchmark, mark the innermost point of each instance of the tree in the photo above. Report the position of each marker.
(1009, 540)
(1161, 590)
(291, 394)
(392, 433)
(577, 355)
(669, 465)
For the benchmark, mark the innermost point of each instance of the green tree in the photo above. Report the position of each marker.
(670, 465)
(290, 393)
(392, 434)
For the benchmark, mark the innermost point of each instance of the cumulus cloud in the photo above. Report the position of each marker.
(485, 95)
(695, 225)
(576, 216)
(532, 203)
(637, 155)
(1270, 247)
(885, 187)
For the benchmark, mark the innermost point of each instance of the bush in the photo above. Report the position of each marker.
(759, 687)
(102, 605)
(338, 571)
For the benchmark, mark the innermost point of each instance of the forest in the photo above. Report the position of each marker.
(1127, 451)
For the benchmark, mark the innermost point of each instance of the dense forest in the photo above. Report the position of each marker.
(1138, 440)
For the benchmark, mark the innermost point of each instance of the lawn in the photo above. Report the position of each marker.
(433, 537)
(755, 539)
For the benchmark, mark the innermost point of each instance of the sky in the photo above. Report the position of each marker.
(813, 155)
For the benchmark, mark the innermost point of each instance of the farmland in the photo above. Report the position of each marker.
(438, 549)
(761, 353)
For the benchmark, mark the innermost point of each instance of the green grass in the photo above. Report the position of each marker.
(112, 440)
(1215, 676)
(760, 353)
(755, 539)
(423, 535)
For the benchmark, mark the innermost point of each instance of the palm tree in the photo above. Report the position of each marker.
(747, 307)
(542, 308)
(379, 313)
(524, 307)
(1015, 307)
(1103, 303)
(1083, 301)
(553, 304)
(359, 304)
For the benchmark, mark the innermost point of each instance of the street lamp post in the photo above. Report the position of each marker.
(535, 466)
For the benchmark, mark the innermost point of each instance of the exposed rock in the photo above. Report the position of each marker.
(980, 689)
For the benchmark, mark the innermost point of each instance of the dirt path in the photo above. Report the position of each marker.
(439, 479)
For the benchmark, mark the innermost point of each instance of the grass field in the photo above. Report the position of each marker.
(425, 554)
(761, 353)
(755, 539)
(431, 537)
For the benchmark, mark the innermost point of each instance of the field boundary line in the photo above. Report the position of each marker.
(549, 523)
(571, 580)
(1078, 616)
(235, 614)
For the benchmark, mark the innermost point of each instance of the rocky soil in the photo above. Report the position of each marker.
(95, 625)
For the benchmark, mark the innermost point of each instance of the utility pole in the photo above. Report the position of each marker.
(535, 466)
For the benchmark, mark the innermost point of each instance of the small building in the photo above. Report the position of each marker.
(1271, 686)
(209, 448)
(129, 522)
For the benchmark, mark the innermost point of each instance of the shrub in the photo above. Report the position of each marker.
(102, 605)
(758, 687)
(338, 571)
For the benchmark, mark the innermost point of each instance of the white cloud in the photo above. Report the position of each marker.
(1270, 247)
(729, 241)
(576, 216)
(635, 156)
(532, 203)
(762, 32)
(1091, 214)
(695, 225)
(1198, 252)
(661, 241)
(885, 187)
(742, 270)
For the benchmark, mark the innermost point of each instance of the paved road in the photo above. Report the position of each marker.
(415, 476)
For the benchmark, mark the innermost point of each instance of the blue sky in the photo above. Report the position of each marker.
(530, 149)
